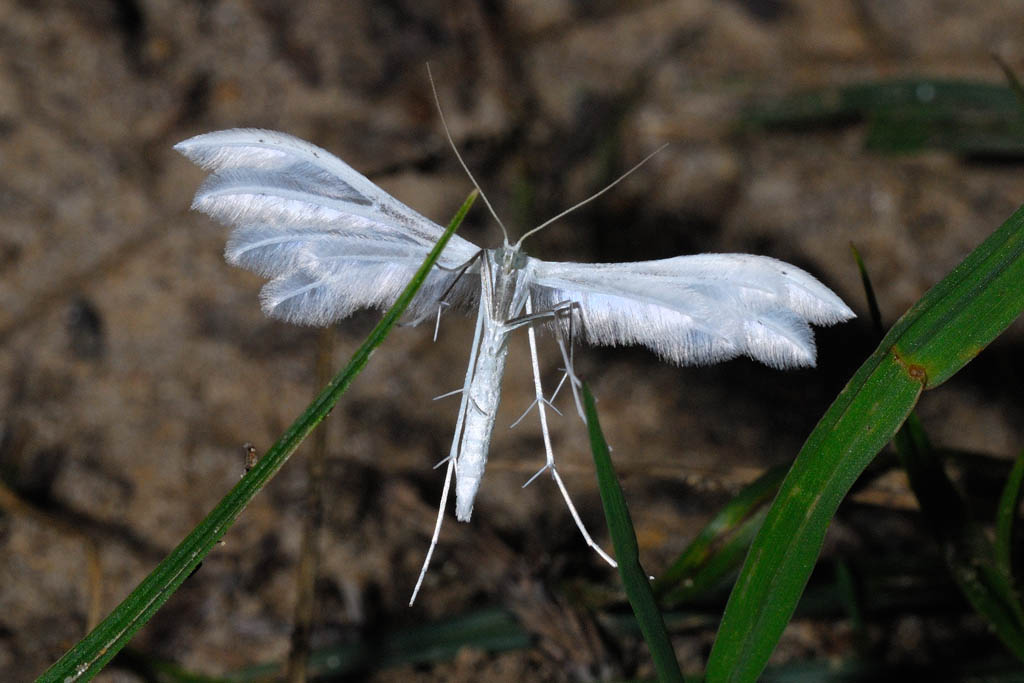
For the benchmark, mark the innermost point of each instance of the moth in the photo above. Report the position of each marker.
(331, 242)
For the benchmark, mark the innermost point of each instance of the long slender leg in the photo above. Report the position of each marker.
(572, 346)
(554, 394)
(528, 320)
(529, 408)
(574, 381)
(437, 323)
(549, 464)
(453, 453)
(559, 309)
(437, 528)
(453, 392)
(460, 270)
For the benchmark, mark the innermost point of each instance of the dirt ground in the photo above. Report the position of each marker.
(134, 363)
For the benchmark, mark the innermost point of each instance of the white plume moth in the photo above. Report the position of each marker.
(331, 242)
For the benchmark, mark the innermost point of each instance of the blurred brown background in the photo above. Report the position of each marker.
(134, 363)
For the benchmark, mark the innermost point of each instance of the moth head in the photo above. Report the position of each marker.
(510, 257)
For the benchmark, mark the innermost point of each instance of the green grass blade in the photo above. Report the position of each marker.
(720, 566)
(908, 115)
(1006, 516)
(869, 290)
(634, 578)
(935, 338)
(971, 559)
(860, 422)
(719, 547)
(86, 658)
(969, 554)
(990, 595)
(852, 600)
(941, 504)
(1011, 78)
(964, 312)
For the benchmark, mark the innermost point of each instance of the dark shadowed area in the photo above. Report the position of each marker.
(134, 363)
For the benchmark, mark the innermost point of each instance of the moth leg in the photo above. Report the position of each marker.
(437, 325)
(528, 320)
(437, 528)
(441, 303)
(453, 392)
(566, 347)
(560, 309)
(566, 373)
(561, 383)
(549, 465)
(460, 270)
(453, 454)
(529, 408)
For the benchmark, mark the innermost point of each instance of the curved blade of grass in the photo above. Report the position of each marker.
(721, 565)
(1006, 515)
(966, 310)
(973, 561)
(969, 554)
(719, 547)
(943, 331)
(1011, 78)
(634, 578)
(86, 658)
(850, 596)
(908, 115)
(869, 290)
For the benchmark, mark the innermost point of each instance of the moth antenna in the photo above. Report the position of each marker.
(591, 197)
(448, 134)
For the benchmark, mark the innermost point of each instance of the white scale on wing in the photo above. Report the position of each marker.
(331, 242)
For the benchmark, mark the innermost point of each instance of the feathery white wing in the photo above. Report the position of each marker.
(330, 240)
(696, 310)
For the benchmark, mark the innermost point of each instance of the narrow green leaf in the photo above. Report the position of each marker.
(969, 308)
(627, 553)
(907, 115)
(850, 596)
(991, 596)
(720, 566)
(718, 549)
(86, 658)
(940, 502)
(934, 339)
(1012, 79)
(869, 290)
(1006, 517)
(860, 422)
(969, 554)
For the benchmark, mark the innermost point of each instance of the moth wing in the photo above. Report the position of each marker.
(696, 310)
(330, 240)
